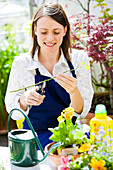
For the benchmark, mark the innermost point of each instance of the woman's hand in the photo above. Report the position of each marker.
(31, 97)
(70, 85)
(67, 82)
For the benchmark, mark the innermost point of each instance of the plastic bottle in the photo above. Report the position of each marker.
(101, 121)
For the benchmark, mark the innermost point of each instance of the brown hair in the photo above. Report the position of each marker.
(56, 12)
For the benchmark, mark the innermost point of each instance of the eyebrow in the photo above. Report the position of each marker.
(53, 29)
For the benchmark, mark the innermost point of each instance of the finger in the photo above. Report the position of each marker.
(35, 94)
(65, 85)
(36, 97)
(37, 101)
(61, 75)
(65, 77)
(34, 103)
(67, 80)
(64, 81)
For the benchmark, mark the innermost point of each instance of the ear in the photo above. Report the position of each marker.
(65, 30)
(35, 29)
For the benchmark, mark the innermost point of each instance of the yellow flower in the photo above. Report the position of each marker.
(60, 119)
(85, 147)
(62, 114)
(97, 165)
(68, 113)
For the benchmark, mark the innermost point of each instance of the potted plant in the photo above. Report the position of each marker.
(72, 136)
(100, 157)
(9, 48)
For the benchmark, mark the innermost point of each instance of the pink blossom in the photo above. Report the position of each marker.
(64, 161)
(61, 167)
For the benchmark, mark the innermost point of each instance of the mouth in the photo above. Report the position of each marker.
(49, 44)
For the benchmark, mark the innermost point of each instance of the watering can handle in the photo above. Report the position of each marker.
(36, 138)
(30, 126)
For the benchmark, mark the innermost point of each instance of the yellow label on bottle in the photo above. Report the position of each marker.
(106, 125)
(111, 132)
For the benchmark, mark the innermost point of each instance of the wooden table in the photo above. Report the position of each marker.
(5, 159)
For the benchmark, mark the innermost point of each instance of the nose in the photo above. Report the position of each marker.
(50, 37)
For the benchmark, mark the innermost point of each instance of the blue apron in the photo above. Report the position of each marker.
(45, 115)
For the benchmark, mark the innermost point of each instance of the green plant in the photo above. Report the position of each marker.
(96, 38)
(99, 157)
(9, 48)
(67, 133)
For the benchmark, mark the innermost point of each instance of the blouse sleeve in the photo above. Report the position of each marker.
(80, 61)
(14, 83)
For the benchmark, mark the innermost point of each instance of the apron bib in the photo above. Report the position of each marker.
(45, 115)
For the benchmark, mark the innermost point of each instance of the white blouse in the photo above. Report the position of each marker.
(23, 72)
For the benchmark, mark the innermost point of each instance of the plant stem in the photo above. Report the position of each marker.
(43, 81)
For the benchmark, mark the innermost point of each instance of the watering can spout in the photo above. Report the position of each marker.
(24, 151)
(52, 147)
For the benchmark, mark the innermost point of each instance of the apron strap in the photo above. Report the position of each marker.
(71, 67)
(37, 71)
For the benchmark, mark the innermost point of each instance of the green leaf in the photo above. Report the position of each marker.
(86, 67)
(104, 4)
(107, 9)
(96, 5)
(99, 1)
(78, 134)
(111, 17)
(59, 133)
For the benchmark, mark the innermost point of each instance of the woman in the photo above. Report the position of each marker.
(50, 56)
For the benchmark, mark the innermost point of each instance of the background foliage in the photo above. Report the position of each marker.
(9, 48)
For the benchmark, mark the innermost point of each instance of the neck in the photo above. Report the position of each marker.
(49, 57)
(48, 60)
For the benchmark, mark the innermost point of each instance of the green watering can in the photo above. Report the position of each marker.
(23, 145)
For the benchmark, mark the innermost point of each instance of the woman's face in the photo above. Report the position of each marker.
(49, 34)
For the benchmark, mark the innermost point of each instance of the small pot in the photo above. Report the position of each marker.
(55, 159)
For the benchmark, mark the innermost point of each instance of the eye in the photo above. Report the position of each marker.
(43, 32)
(56, 32)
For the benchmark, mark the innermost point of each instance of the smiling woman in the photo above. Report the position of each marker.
(50, 56)
(50, 35)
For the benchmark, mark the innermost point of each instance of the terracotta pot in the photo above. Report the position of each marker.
(110, 116)
(54, 158)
